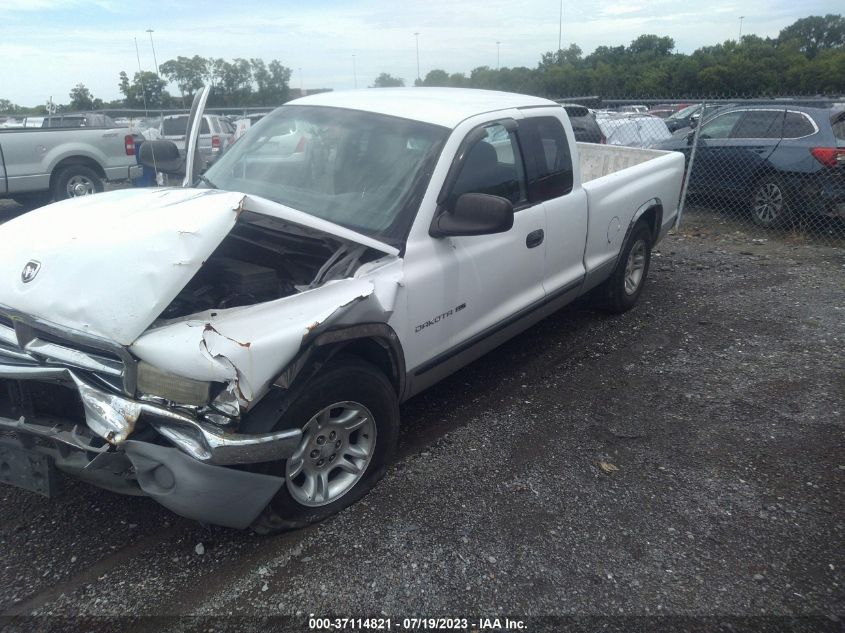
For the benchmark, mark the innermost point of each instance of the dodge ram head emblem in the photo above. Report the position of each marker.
(30, 270)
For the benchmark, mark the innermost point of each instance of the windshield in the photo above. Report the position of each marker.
(683, 114)
(361, 170)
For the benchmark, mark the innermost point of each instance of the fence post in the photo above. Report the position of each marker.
(683, 201)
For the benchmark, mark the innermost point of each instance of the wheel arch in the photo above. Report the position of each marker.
(375, 343)
(86, 161)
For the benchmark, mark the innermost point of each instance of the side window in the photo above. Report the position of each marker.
(204, 129)
(797, 125)
(759, 124)
(554, 160)
(721, 126)
(493, 166)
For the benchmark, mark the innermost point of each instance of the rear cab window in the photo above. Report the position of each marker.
(551, 177)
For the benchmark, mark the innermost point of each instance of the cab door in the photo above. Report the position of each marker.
(464, 290)
(551, 181)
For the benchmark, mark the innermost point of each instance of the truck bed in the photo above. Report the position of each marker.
(618, 182)
(602, 160)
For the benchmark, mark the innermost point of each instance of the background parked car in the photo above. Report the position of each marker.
(583, 123)
(781, 161)
(242, 124)
(632, 130)
(689, 116)
(216, 134)
(632, 109)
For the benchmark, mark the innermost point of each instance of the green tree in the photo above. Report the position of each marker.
(816, 33)
(8, 106)
(145, 91)
(437, 78)
(386, 80)
(81, 98)
(188, 73)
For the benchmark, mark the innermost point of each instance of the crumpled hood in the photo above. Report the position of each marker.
(108, 265)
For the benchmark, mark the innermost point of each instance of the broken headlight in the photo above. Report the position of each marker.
(155, 382)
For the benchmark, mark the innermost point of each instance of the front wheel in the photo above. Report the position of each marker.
(349, 416)
(76, 180)
(625, 285)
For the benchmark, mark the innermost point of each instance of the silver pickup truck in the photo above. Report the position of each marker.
(37, 165)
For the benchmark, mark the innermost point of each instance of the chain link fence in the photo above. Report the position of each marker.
(771, 167)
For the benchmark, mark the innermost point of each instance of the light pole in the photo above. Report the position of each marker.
(301, 91)
(741, 18)
(417, 35)
(152, 45)
(497, 55)
(560, 27)
(354, 73)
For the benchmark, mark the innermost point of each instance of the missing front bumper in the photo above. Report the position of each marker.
(113, 417)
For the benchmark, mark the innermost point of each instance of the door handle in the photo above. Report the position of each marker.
(535, 238)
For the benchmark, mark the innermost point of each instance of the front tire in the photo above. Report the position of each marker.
(349, 415)
(625, 285)
(76, 180)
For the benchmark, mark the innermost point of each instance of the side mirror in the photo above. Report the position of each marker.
(474, 214)
(690, 137)
(162, 156)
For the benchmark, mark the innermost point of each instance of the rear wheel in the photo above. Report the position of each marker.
(769, 203)
(349, 417)
(76, 180)
(625, 285)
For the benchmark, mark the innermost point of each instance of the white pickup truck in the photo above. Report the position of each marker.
(237, 350)
(54, 163)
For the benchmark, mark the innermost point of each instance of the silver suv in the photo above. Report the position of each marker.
(216, 134)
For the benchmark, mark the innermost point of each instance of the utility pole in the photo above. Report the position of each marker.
(417, 35)
(301, 91)
(560, 27)
(354, 73)
(152, 45)
(497, 55)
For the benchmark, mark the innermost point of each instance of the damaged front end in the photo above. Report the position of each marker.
(165, 413)
(64, 397)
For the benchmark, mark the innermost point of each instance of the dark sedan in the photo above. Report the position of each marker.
(781, 161)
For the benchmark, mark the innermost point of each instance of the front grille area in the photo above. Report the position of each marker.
(28, 343)
(40, 400)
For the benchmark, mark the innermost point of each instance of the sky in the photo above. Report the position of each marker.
(48, 46)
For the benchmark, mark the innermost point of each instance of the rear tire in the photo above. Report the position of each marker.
(620, 292)
(770, 206)
(324, 477)
(74, 181)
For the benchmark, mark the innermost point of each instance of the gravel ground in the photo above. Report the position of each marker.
(685, 458)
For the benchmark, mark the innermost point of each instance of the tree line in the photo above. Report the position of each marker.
(806, 58)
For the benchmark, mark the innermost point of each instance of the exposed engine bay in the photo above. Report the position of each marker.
(263, 259)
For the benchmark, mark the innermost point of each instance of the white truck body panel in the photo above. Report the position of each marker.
(109, 268)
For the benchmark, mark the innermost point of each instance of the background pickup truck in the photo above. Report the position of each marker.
(237, 349)
(37, 165)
